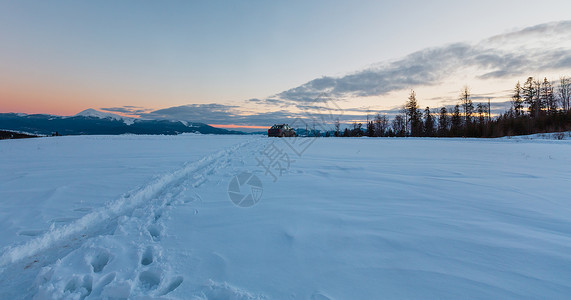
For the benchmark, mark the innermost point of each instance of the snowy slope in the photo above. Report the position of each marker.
(141, 216)
(90, 112)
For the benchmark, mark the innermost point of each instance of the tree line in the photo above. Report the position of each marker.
(537, 106)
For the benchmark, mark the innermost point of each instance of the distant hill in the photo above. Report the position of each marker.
(4, 135)
(91, 121)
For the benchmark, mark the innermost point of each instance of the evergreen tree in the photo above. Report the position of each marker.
(456, 121)
(414, 115)
(356, 131)
(370, 128)
(443, 121)
(428, 123)
(517, 100)
(528, 91)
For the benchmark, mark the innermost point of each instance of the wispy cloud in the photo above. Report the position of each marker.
(128, 109)
(219, 114)
(535, 49)
(195, 112)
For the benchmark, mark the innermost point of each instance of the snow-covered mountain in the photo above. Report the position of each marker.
(91, 121)
(92, 113)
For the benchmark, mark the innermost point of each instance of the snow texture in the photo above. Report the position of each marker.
(149, 217)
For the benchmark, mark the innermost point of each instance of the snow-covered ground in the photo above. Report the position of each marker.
(151, 217)
(566, 135)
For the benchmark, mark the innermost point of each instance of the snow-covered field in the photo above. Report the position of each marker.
(150, 217)
(566, 135)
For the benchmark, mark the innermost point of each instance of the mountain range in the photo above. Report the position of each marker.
(91, 121)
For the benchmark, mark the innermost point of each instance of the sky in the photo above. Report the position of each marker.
(255, 63)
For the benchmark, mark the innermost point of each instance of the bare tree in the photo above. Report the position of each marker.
(314, 131)
(538, 104)
(399, 125)
(467, 105)
(489, 111)
(381, 125)
(564, 92)
(547, 97)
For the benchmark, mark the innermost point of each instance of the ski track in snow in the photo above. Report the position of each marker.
(90, 258)
(362, 219)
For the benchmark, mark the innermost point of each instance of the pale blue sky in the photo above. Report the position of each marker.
(65, 56)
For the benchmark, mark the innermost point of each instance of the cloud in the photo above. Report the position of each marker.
(212, 113)
(537, 33)
(270, 101)
(219, 114)
(322, 116)
(535, 49)
(425, 67)
(127, 109)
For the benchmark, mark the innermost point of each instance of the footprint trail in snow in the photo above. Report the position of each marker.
(112, 252)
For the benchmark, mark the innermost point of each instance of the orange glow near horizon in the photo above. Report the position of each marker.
(38, 108)
(43, 102)
(53, 105)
